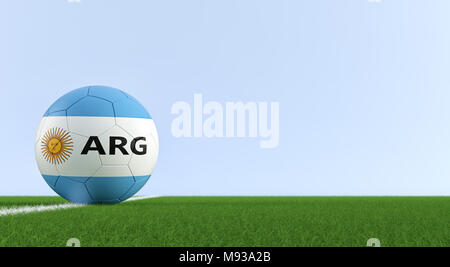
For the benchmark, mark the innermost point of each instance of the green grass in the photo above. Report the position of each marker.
(236, 221)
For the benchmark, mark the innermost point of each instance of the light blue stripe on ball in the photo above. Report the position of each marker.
(97, 101)
(96, 190)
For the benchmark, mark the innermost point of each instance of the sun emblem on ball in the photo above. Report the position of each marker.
(56, 145)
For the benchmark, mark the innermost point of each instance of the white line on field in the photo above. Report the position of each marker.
(40, 208)
(140, 198)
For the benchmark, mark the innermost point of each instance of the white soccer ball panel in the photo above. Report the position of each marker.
(53, 122)
(137, 127)
(110, 171)
(90, 126)
(142, 165)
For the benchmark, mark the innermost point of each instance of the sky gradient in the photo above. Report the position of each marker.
(363, 89)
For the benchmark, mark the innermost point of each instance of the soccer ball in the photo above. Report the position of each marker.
(96, 144)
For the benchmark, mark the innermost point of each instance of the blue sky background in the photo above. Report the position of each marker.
(364, 88)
